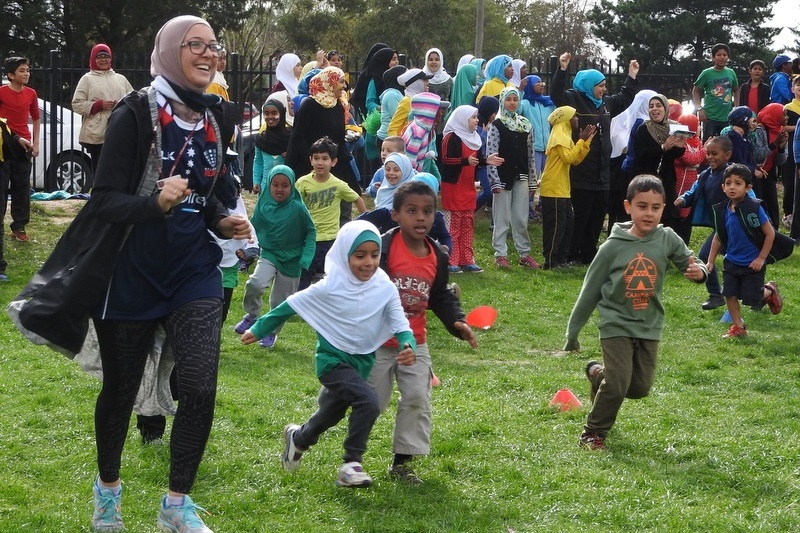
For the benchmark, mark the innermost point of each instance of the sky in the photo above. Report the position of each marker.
(785, 13)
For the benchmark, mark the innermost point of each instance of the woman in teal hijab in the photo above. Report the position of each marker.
(463, 88)
(592, 84)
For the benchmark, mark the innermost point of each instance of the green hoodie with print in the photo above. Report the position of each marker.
(625, 282)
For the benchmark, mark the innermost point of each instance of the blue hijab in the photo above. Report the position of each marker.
(585, 82)
(532, 96)
(496, 66)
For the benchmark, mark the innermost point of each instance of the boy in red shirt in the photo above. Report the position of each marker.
(18, 103)
(419, 270)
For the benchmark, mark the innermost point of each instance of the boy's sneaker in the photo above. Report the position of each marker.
(107, 514)
(590, 373)
(19, 235)
(714, 301)
(352, 475)
(245, 323)
(291, 455)
(455, 269)
(502, 262)
(268, 341)
(181, 518)
(471, 268)
(529, 262)
(405, 474)
(774, 300)
(3, 276)
(592, 440)
(736, 331)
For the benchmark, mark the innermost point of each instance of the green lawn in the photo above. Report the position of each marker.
(712, 449)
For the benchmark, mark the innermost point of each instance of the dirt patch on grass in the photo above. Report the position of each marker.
(59, 211)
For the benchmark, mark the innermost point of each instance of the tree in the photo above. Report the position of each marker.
(551, 27)
(659, 32)
(32, 27)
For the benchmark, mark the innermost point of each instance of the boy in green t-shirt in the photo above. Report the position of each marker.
(322, 192)
(716, 92)
(625, 282)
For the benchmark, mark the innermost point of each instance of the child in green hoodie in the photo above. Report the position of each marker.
(624, 282)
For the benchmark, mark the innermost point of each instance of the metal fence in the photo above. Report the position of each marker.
(63, 164)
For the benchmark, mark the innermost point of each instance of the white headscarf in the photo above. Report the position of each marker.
(622, 124)
(458, 123)
(283, 97)
(516, 78)
(384, 198)
(439, 76)
(465, 60)
(285, 73)
(355, 316)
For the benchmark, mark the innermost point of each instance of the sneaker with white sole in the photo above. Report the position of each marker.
(181, 518)
(107, 514)
(268, 341)
(245, 323)
(291, 457)
(352, 475)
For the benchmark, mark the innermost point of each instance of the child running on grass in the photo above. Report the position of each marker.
(287, 238)
(354, 310)
(624, 282)
(418, 268)
(746, 234)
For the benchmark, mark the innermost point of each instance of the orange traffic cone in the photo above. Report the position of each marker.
(565, 400)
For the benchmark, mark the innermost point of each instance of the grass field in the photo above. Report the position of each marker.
(714, 448)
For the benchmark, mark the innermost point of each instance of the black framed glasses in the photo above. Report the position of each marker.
(199, 47)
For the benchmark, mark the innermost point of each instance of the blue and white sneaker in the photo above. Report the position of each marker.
(107, 514)
(245, 323)
(471, 268)
(181, 518)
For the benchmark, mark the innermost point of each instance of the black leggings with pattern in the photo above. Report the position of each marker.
(193, 331)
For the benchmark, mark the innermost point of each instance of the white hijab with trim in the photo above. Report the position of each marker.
(355, 316)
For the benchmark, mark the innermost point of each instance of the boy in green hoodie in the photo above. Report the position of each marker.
(624, 282)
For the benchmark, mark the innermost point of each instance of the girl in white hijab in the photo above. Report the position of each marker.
(288, 74)
(441, 83)
(354, 310)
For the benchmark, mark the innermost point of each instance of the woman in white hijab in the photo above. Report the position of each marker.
(288, 73)
(441, 83)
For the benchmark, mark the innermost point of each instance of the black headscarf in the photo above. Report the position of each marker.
(390, 78)
(378, 65)
(359, 96)
(275, 141)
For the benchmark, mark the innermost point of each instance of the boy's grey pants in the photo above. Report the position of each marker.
(412, 428)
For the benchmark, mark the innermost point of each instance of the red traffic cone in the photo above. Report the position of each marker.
(565, 400)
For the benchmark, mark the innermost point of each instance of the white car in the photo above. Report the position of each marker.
(69, 168)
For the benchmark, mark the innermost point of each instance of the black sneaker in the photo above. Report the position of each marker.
(714, 301)
(405, 474)
(592, 386)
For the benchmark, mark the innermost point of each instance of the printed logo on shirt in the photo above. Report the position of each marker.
(640, 279)
(414, 293)
(320, 199)
(753, 221)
